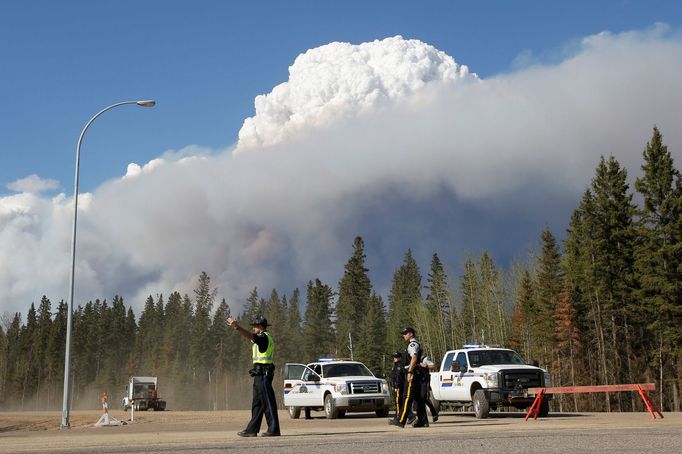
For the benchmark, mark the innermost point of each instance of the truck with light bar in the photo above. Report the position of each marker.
(487, 378)
(334, 386)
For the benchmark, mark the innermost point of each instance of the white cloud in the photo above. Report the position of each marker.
(391, 140)
(33, 184)
(340, 78)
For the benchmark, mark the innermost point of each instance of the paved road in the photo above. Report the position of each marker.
(179, 433)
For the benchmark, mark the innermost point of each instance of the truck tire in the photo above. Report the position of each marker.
(330, 410)
(481, 404)
(294, 412)
(382, 412)
(544, 409)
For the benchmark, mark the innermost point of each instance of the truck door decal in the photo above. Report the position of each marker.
(446, 382)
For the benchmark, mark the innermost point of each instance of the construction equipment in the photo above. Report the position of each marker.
(142, 394)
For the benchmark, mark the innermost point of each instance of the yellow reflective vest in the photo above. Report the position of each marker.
(265, 357)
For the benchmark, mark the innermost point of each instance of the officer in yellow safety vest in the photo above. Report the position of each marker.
(263, 370)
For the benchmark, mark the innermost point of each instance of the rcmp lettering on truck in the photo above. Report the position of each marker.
(335, 386)
(487, 378)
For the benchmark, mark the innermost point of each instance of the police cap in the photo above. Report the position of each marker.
(262, 321)
(407, 329)
(397, 355)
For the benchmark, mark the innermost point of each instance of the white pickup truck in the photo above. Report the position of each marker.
(335, 386)
(487, 378)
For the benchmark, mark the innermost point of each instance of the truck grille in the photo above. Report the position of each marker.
(521, 378)
(365, 387)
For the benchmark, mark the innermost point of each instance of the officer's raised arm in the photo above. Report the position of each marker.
(232, 323)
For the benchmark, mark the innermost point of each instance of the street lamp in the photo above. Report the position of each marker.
(67, 352)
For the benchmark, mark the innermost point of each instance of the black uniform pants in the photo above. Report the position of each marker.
(263, 403)
(399, 394)
(415, 392)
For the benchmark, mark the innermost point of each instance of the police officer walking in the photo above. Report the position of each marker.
(398, 376)
(415, 389)
(263, 370)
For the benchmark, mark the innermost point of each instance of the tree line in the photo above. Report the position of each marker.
(605, 308)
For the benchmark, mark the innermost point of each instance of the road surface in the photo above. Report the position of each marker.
(214, 432)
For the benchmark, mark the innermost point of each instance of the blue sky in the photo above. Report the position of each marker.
(387, 138)
(205, 61)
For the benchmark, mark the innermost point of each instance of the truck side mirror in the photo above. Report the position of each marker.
(462, 368)
(314, 377)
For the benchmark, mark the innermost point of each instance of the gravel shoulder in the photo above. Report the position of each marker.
(190, 431)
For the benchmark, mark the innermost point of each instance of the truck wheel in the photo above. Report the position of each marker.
(544, 409)
(294, 412)
(481, 405)
(382, 412)
(330, 410)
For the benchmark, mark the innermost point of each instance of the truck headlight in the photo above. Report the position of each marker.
(548, 380)
(384, 387)
(341, 388)
(491, 379)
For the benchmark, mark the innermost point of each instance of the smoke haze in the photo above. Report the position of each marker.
(392, 140)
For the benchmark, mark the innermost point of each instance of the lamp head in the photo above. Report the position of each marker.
(147, 103)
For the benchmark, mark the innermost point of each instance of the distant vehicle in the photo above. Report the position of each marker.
(335, 386)
(142, 393)
(487, 378)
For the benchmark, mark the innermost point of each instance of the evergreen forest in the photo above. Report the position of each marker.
(603, 306)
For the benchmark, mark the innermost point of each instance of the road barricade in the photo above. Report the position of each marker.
(641, 388)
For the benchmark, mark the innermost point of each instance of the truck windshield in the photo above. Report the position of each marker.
(345, 370)
(488, 357)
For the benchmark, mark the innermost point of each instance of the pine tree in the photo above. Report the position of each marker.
(548, 288)
(223, 352)
(199, 348)
(254, 306)
(492, 310)
(354, 293)
(568, 345)
(658, 262)
(435, 329)
(29, 356)
(404, 297)
(292, 348)
(605, 256)
(115, 337)
(524, 318)
(146, 336)
(13, 380)
(470, 323)
(371, 345)
(131, 340)
(175, 330)
(318, 333)
(55, 355)
(42, 337)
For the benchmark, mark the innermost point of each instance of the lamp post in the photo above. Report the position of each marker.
(67, 353)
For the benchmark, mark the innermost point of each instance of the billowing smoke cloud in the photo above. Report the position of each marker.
(392, 140)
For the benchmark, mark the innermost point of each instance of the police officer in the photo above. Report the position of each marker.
(398, 382)
(416, 382)
(263, 370)
(428, 366)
